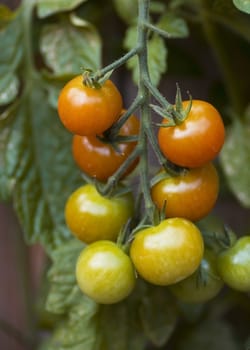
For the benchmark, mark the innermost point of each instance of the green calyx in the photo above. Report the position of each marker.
(173, 114)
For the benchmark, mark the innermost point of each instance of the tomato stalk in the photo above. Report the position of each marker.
(146, 89)
(143, 17)
(116, 64)
(108, 188)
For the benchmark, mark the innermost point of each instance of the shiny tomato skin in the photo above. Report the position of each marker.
(203, 285)
(101, 160)
(167, 253)
(91, 216)
(105, 273)
(234, 265)
(87, 110)
(197, 140)
(190, 195)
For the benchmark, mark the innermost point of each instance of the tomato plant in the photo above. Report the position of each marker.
(101, 159)
(75, 59)
(195, 141)
(234, 265)
(167, 253)
(89, 110)
(190, 195)
(203, 285)
(105, 273)
(91, 216)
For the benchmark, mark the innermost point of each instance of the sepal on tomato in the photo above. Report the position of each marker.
(173, 114)
(219, 241)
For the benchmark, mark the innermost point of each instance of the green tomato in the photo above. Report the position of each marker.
(202, 285)
(91, 216)
(105, 273)
(167, 253)
(234, 265)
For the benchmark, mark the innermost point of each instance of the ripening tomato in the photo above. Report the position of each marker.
(105, 273)
(167, 253)
(197, 140)
(234, 265)
(101, 160)
(91, 216)
(203, 285)
(88, 110)
(190, 195)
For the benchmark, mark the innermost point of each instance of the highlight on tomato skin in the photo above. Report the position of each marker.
(191, 194)
(86, 110)
(91, 216)
(101, 160)
(197, 140)
(105, 273)
(167, 253)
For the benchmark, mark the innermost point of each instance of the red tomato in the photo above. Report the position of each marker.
(190, 195)
(197, 140)
(101, 160)
(87, 110)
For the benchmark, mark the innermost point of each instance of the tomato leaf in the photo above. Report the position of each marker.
(176, 27)
(242, 5)
(10, 58)
(235, 157)
(47, 8)
(6, 15)
(80, 330)
(224, 12)
(126, 9)
(124, 318)
(159, 315)
(64, 290)
(67, 48)
(6, 184)
(36, 160)
(157, 56)
(41, 166)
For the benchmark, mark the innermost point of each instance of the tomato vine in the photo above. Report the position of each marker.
(155, 252)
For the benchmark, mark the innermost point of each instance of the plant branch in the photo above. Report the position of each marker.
(113, 180)
(116, 64)
(114, 130)
(171, 168)
(143, 17)
(157, 30)
(156, 93)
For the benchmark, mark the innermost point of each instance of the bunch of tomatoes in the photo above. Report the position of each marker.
(170, 251)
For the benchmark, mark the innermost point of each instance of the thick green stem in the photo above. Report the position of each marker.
(143, 17)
